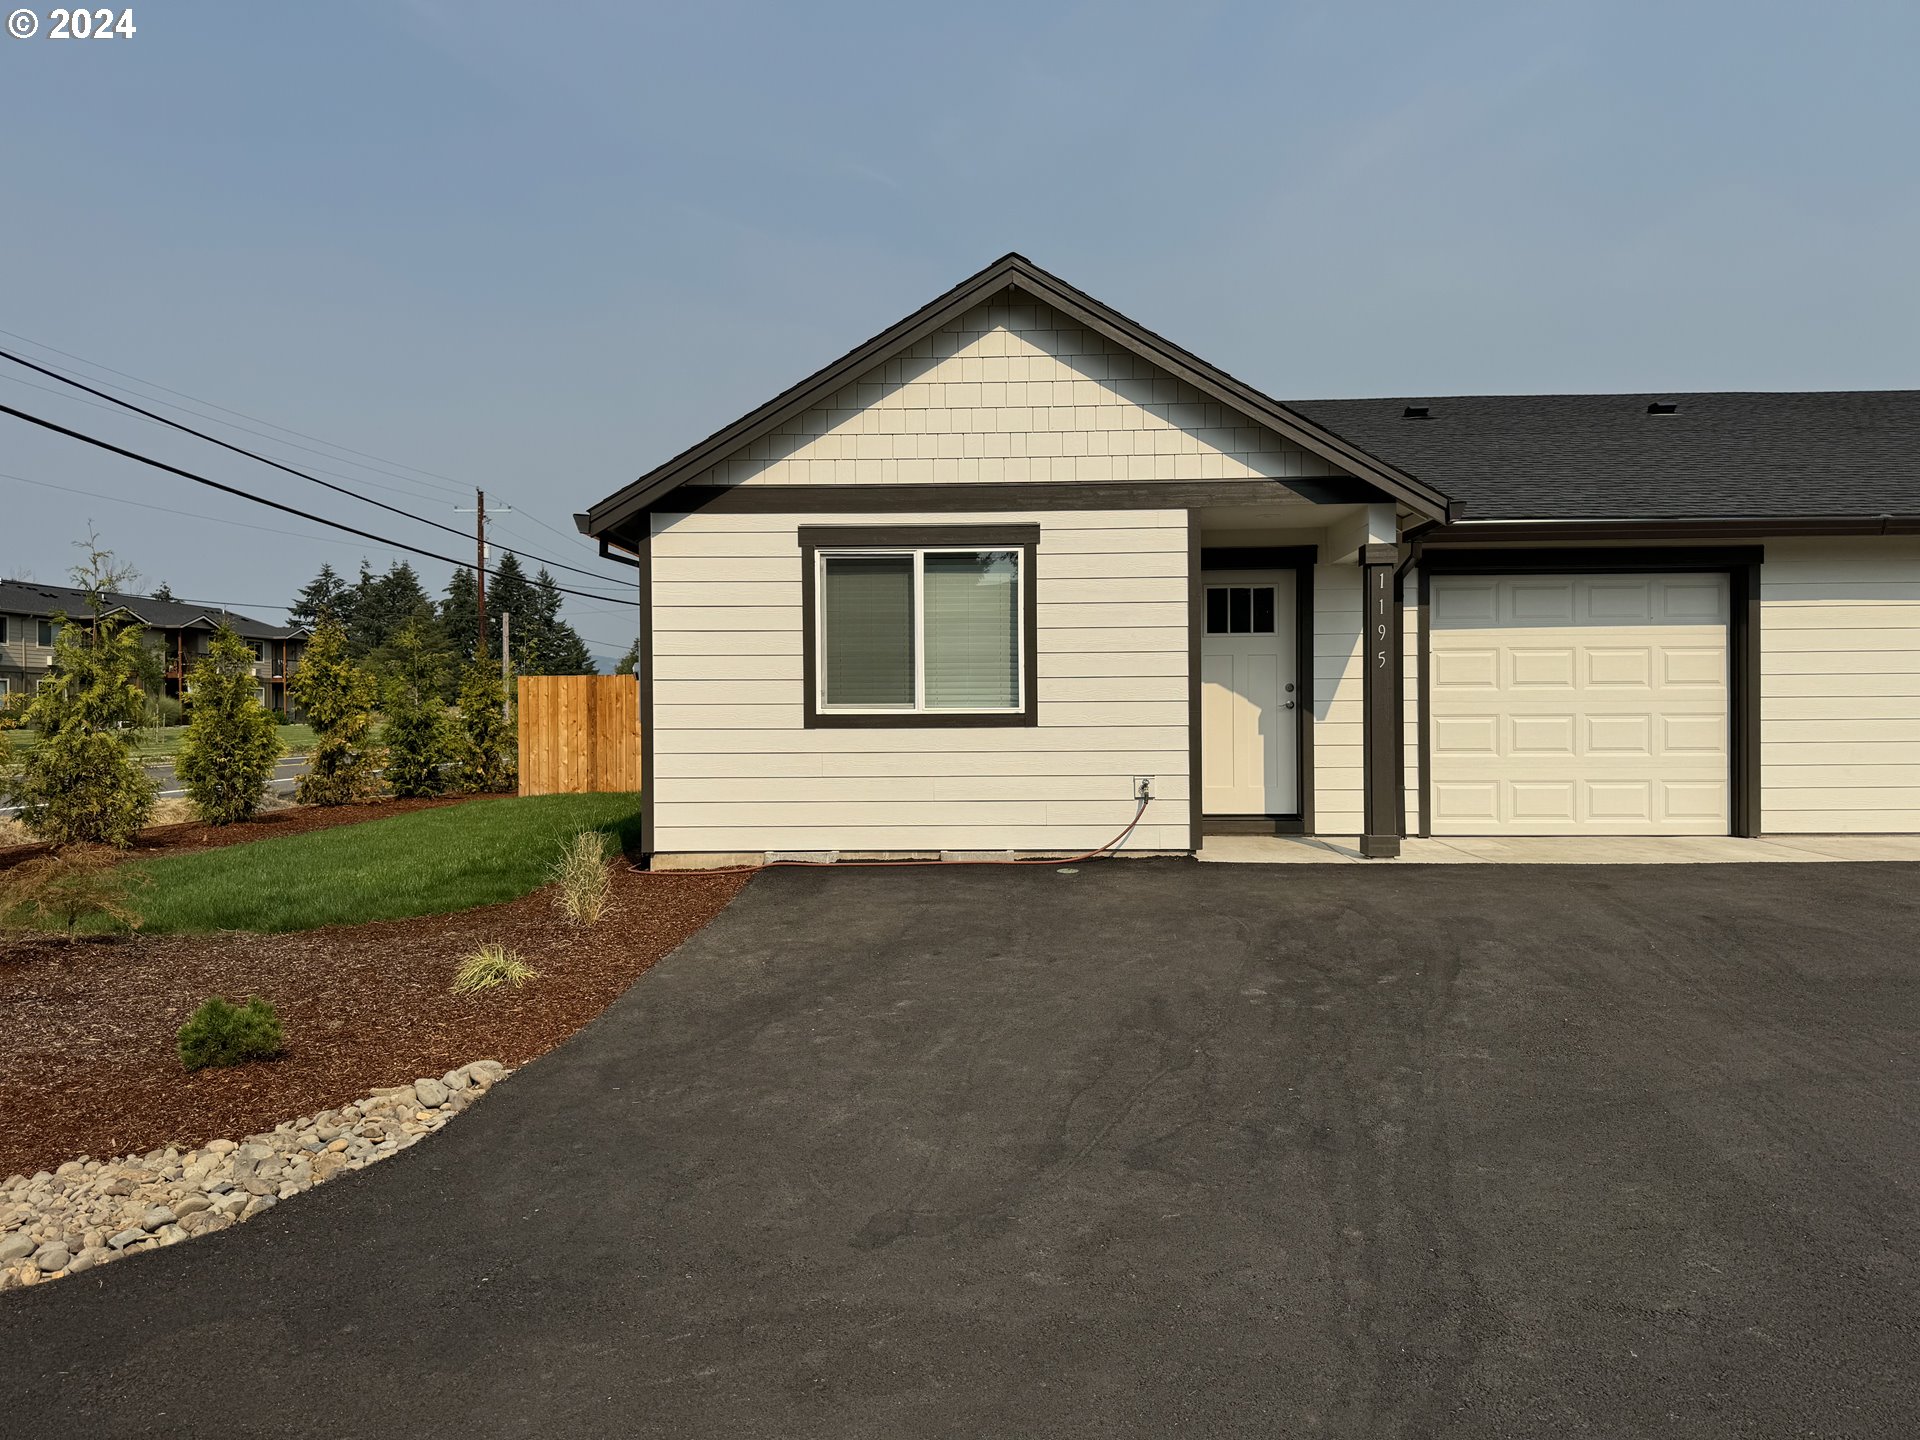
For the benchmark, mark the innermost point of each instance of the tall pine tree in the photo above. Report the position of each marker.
(459, 616)
(509, 592)
(326, 594)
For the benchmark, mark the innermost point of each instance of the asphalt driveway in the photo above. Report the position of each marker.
(1152, 1149)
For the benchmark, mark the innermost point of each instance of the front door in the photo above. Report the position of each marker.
(1249, 715)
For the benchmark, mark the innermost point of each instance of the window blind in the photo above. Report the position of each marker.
(972, 636)
(866, 606)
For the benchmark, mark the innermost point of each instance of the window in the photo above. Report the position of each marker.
(919, 626)
(47, 632)
(3, 633)
(1240, 610)
(259, 648)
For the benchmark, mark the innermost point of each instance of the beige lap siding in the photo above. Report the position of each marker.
(736, 770)
(1338, 779)
(1840, 686)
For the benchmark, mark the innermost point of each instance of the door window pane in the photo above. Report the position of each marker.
(867, 624)
(1240, 609)
(1217, 610)
(1263, 610)
(972, 630)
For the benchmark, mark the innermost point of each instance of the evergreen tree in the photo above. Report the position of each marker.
(162, 591)
(232, 740)
(553, 647)
(630, 662)
(509, 592)
(337, 696)
(326, 594)
(459, 616)
(384, 605)
(418, 741)
(484, 755)
(81, 784)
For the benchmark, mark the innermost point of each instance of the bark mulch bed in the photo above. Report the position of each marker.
(293, 820)
(87, 1063)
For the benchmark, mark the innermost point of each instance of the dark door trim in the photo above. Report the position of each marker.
(1739, 563)
(1300, 559)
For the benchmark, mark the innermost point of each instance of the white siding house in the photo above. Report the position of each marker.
(972, 587)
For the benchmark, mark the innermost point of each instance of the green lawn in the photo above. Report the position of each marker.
(163, 743)
(427, 863)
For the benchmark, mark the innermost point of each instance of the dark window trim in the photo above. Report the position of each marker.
(1300, 559)
(1024, 538)
(1739, 563)
(1294, 491)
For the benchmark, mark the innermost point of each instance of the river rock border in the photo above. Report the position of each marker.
(89, 1212)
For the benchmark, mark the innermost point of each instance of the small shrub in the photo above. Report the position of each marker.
(221, 1033)
(485, 757)
(581, 876)
(231, 742)
(73, 885)
(338, 697)
(490, 967)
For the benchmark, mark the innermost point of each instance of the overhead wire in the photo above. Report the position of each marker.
(284, 508)
(268, 460)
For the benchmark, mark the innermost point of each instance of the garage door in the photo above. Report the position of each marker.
(1579, 705)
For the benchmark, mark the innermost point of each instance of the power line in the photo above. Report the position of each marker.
(450, 483)
(432, 477)
(263, 500)
(267, 460)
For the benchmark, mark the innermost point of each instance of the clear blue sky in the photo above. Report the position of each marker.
(540, 248)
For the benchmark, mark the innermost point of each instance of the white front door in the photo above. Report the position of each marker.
(1249, 710)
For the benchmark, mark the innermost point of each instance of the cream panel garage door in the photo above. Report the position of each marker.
(1579, 705)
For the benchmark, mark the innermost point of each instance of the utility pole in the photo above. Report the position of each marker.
(506, 649)
(480, 566)
(480, 569)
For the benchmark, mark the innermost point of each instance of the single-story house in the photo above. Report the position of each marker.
(1017, 562)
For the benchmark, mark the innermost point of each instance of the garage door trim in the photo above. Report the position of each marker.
(1739, 563)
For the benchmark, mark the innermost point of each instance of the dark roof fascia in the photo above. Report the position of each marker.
(1010, 272)
(1702, 527)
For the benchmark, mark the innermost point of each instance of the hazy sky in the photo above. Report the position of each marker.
(541, 248)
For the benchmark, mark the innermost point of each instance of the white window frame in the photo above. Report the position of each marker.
(919, 553)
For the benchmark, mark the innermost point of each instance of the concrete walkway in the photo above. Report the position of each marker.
(1563, 850)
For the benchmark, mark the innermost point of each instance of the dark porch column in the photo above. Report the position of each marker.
(1380, 755)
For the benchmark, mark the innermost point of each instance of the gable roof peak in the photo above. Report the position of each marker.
(1012, 268)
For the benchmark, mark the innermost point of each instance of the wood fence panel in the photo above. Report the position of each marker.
(579, 733)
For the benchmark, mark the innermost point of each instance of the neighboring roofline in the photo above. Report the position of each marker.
(1672, 527)
(1013, 272)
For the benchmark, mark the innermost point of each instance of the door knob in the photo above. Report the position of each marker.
(1287, 705)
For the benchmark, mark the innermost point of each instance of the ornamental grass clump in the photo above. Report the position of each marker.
(581, 876)
(491, 967)
(222, 1033)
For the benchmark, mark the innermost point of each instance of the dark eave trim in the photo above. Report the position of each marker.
(1045, 495)
(1536, 532)
(1013, 272)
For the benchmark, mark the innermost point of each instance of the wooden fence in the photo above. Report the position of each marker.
(579, 733)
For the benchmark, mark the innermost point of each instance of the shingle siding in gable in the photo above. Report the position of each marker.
(1010, 393)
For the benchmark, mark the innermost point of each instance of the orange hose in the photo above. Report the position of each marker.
(1113, 844)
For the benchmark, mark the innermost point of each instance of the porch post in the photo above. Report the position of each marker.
(1380, 731)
